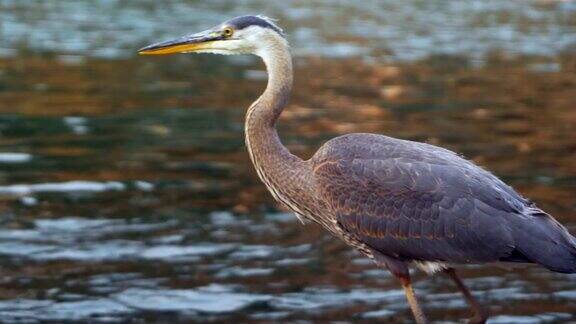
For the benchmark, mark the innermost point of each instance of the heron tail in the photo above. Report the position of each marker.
(543, 240)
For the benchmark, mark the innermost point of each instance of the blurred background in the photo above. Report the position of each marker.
(126, 192)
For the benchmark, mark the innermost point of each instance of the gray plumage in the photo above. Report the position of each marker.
(398, 202)
(418, 202)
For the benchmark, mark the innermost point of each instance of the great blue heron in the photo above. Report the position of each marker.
(398, 202)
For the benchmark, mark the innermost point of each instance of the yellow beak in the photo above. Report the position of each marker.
(185, 44)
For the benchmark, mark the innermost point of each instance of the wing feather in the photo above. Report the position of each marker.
(416, 210)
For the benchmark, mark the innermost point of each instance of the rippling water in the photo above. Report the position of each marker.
(126, 192)
(404, 30)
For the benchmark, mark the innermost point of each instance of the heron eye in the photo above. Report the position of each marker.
(228, 32)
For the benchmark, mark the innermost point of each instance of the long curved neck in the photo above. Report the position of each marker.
(282, 172)
(266, 110)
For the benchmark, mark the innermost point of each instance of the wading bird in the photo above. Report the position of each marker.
(398, 202)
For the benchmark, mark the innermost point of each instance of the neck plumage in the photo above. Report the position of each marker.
(266, 110)
(282, 172)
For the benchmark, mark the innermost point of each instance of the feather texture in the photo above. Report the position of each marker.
(418, 202)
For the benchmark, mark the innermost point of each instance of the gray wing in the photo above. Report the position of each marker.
(413, 201)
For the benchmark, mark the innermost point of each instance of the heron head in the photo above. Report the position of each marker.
(240, 35)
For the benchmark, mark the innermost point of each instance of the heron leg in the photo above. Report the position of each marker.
(480, 313)
(411, 297)
(400, 270)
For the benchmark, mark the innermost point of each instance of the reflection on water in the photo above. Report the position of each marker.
(126, 191)
(208, 268)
